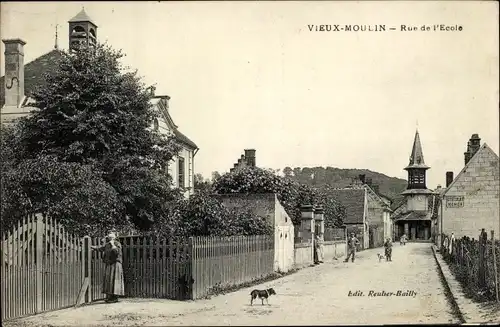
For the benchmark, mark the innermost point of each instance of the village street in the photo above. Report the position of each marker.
(316, 295)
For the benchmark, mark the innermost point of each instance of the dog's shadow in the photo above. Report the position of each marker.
(259, 310)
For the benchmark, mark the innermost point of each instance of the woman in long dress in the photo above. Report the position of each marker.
(112, 284)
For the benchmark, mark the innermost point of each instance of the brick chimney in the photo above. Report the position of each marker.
(14, 72)
(250, 157)
(362, 178)
(472, 147)
(449, 178)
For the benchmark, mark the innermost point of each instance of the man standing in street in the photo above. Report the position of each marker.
(352, 242)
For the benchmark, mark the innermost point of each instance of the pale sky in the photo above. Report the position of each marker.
(252, 75)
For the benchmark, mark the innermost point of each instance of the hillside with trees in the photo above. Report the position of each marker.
(336, 177)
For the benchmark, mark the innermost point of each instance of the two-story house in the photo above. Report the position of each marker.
(20, 81)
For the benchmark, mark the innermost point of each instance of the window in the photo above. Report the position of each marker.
(181, 172)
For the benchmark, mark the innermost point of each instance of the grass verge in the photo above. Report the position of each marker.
(447, 292)
(219, 289)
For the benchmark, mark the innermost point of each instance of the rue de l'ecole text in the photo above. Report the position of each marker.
(384, 28)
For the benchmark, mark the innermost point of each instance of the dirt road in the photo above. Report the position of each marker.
(406, 290)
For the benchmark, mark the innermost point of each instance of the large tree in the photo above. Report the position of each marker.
(95, 116)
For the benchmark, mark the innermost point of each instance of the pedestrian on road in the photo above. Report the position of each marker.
(352, 242)
(402, 240)
(318, 250)
(388, 249)
(112, 285)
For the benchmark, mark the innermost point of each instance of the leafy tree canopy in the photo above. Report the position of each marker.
(90, 142)
(292, 194)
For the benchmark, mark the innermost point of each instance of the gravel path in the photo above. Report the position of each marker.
(318, 295)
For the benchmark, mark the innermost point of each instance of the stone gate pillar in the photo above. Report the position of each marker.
(307, 223)
(319, 219)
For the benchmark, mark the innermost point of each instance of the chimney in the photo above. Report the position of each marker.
(449, 178)
(250, 157)
(14, 72)
(362, 178)
(475, 144)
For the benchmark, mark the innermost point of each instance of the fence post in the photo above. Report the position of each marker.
(495, 271)
(482, 259)
(191, 271)
(39, 263)
(87, 263)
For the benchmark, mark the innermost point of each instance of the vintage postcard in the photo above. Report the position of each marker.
(249, 163)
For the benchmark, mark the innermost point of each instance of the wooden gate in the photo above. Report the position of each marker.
(152, 268)
(42, 268)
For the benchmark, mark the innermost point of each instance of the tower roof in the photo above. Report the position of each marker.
(417, 155)
(81, 17)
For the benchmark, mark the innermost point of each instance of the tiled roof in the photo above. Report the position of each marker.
(81, 17)
(417, 155)
(33, 73)
(184, 139)
(472, 160)
(353, 199)
(413, 215)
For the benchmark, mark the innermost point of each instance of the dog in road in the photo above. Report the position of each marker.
(380, 257)
(262, 294)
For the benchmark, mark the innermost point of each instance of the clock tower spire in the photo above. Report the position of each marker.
(416, 191)
(414, 218)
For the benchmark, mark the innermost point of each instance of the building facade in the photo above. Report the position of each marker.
(413, 216)
(355, 200)
(20, 81)
(470, 201)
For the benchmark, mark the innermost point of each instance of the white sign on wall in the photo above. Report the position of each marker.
(454, 201)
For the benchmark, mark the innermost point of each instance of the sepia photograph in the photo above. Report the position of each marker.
(251, 163)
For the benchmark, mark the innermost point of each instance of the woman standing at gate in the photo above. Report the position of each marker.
(112, 284)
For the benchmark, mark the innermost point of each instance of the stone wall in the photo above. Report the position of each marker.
(472, 201)
(334, 249)
(303, 255)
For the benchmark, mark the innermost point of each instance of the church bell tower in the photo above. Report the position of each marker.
(82, 31)
(417, 193)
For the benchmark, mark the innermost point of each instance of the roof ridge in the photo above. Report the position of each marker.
(482, 148)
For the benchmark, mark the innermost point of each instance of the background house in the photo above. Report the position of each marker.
(181, 168)
(378, 215)
(21, 80)
(355, 201)
(470, 202)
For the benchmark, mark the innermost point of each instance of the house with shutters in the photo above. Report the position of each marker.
(21, 79)
(470, 201)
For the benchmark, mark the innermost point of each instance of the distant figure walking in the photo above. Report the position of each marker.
(388, 249)
(445, 245)
(452, 246)
(112, 285)
(318, 250)
(402, 240)
(352, 242)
